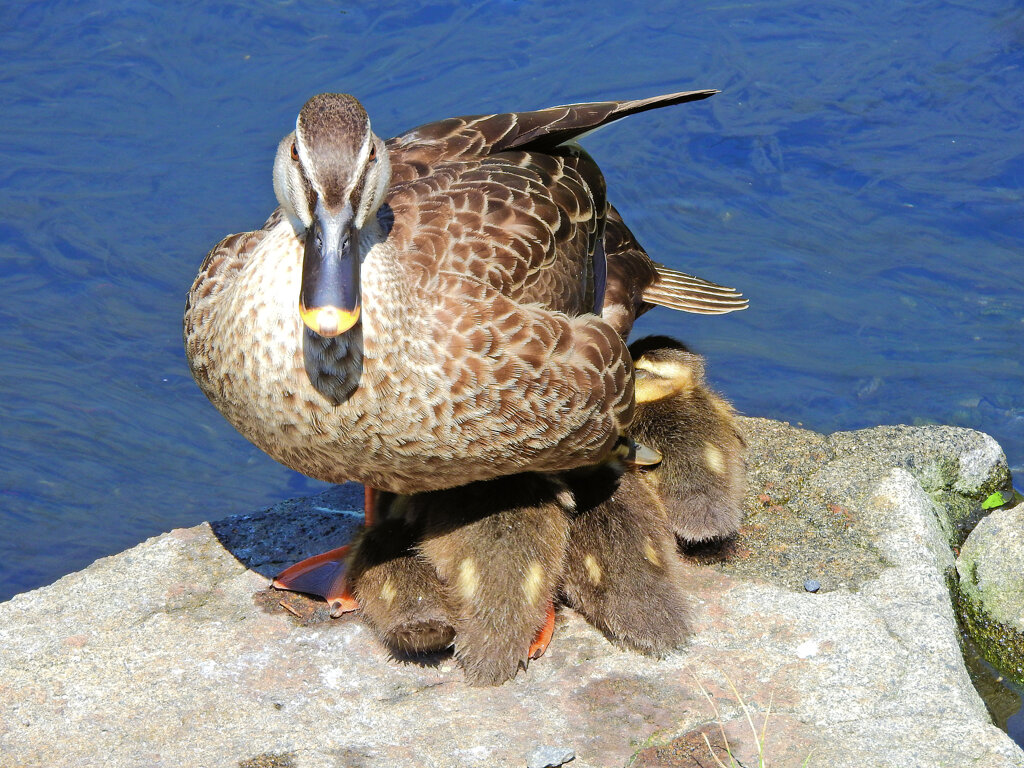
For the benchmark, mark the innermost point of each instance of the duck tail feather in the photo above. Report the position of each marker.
(678, 290)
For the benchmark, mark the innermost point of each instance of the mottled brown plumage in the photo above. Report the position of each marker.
(487, 245)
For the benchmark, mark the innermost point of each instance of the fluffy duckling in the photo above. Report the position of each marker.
(498, 548)
(499, 551)
(476, 567)
(622, 570)
(702, 477)
(400, 594)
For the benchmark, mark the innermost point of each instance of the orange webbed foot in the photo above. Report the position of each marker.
(543, 639)
(325, 575)
(322, 575)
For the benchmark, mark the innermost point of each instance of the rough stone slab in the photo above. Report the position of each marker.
(168, 655)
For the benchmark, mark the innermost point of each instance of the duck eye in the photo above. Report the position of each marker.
(295, 152)
(373, 153)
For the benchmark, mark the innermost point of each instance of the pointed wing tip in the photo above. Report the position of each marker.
(740, 306)
(699, 305)
(700, 93)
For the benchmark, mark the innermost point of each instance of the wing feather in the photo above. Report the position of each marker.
(539, 130)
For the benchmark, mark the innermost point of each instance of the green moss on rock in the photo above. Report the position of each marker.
(1001, 645)
(990, 593)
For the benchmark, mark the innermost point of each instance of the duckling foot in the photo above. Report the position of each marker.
(322, 575)
(543, 639)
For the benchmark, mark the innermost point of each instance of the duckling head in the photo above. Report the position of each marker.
(665, 368)
(330, 176)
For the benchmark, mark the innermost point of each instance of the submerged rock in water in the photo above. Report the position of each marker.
(174, 653)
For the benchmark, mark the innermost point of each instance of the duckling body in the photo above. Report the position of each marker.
(475, 567)
(622, 569)
(399, 591)
(498, 547)
(445, 307)
(702, 477)
(482, 564)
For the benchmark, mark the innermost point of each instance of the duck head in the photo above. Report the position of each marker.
(330, 176)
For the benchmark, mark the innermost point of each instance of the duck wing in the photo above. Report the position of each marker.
(526, 224)
(609, 274)
(497, 251)
(539, 130)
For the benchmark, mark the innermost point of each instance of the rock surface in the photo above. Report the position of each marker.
(173, 653)
(991, 570)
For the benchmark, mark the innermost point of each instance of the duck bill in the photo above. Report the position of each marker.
(329, 295)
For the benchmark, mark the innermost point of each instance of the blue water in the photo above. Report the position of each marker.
(859, 178)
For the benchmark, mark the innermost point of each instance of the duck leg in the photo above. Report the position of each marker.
(369, 505)
(324, 575)
(498, 547)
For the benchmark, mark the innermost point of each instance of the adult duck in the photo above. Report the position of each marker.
(444, 307)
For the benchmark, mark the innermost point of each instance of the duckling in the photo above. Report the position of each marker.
(476, 566)
(702, 477)
(399, 591)
(622, 571)
(498, 547)
(491, 556)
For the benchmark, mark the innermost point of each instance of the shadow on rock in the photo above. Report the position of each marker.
(269, 541)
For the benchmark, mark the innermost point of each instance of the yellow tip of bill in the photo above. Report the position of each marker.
(329, 321)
